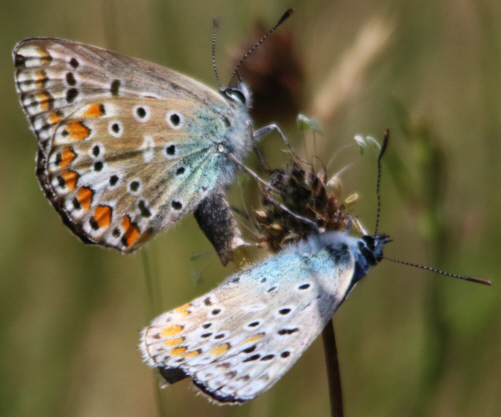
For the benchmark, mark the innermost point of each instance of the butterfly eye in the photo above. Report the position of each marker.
(236, 95)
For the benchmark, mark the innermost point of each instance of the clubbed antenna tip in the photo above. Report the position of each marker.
(284, 17)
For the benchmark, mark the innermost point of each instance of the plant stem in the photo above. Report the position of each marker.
(333, 374)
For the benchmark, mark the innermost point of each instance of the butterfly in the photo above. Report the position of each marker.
(238, 340)
(127, 148)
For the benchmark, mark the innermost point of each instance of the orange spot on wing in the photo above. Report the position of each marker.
(40, 77)
(145, 236)
(131, 232)
(102, 216)
(44, 99)
(84, 197)
(67, 156)
(182, 308)
(94, 110)
(191, 354)
(253, 338)
(219, 350)
(54, 117)
(70, 179)
(178, 351)
(77, 130)
(174, 342)
(171, 330)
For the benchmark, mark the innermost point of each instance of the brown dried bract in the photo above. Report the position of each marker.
(303, 193)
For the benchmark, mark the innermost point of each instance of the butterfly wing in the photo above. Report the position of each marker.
(126, 147)
(238, 340)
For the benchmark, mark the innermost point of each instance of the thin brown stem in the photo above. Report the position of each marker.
(333, 374)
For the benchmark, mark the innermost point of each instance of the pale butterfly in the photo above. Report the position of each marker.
(127, 147)
(238, 340)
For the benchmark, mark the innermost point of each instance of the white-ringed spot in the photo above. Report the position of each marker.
(141, 113)
(170, 151)
(180, 171)
(96, 151)
(73, 63)
(135, 186)
(284, 311)
(115, 128)
(253, 325)
(98, 166)
(174, 119)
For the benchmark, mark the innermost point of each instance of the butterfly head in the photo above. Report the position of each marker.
(371, 247)
(240, 95)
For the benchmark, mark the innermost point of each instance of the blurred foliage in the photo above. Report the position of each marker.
(410, 342)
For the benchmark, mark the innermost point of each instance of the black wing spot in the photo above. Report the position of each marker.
(216, 311)
(206, 325)
(98, 166)
(74, 63)
(253, 358)
(283, 332)
(180, 171)
(206, 335)
(219, 336)
(250, 349)
(19, 61)
(76, 203)
(93, 223)
(285, 354)
(96, 150)
(115, 86)
(208, 301)
(71, 95)
(170, 150)
(113, 180)
(267, 357)
(254, 324)
(115, 127)
(134, 186)
(70, 79)
(145, 212)
(272, 289)
(263, 280)
(175, 119)
(141, 112)
(304, 286)
(176, 205)
(116, 232)
(284, 311)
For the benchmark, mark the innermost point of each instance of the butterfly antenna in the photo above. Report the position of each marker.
(285, 16)
(472, 279)
(215, 24)
(381, 153)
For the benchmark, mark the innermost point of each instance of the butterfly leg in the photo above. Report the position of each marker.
(256, 150)
(265, 131)
(270, 198)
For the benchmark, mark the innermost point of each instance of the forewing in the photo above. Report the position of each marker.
(125, 146)
(238, 340)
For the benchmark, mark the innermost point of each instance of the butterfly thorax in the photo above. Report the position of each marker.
(237, 137)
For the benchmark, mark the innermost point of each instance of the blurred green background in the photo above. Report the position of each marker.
(410, 342)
